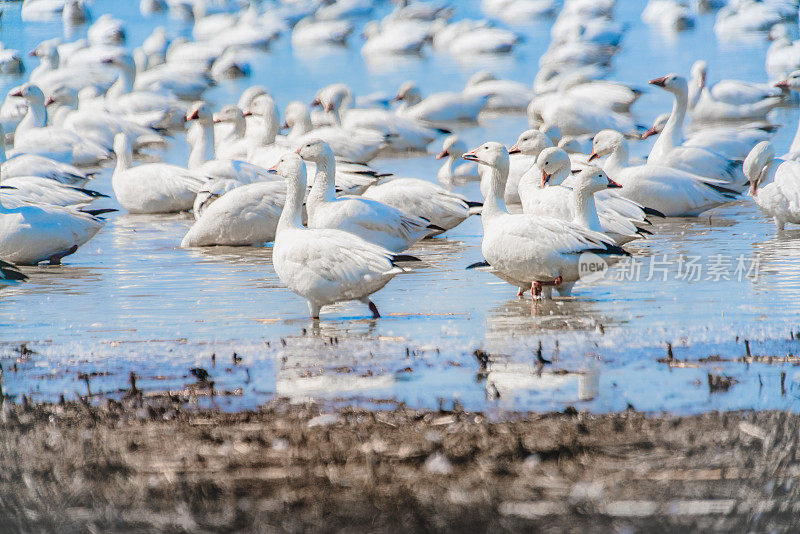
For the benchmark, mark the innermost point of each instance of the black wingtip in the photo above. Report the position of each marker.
(403, 257)
(444, 131)
(9, 271)
(478, 265)
(653, 212)
(609, 250)
(724, 191)
(95, 213)
(643, 231)
(90, 192)
(437, 228)
(471, 204)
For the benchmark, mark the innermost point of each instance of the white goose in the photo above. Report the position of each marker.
(550, 189)
(33, 165)
(31, 234)
(673, 192)
(792, 82)
(577, 116)
(734, 92)
(37, 190)
(244, 216)
(522, 158)
(774, 184)
(309, 33)
(668, 150)
(374, 221)
(419, 198)
(454, 168)
(522, 249)
(439, 107)
(151, 187)
(324, 265)
(504, 95)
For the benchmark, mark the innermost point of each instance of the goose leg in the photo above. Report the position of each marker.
(313, 309)
(55, 259)
(521, 292)
(536, 290)
(373, 309)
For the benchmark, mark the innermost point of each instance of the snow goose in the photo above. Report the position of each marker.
(550, 189)
(598, 31)
(33, 137)
(345, 9)
(454, 168)
(183, 81)
(37, 190)
(12, 110)
(673, 192)
(734, 92)
(233, 144)
(151, 187)
(612, 95)
(522, 158)
(106, 30)
(10, 274)
(503, 95)
(244, 216)
(394, 40)
(31, 234)
(33, 165)
(774, 184)
(439, 107)
(324, 265)
(577, 116)
(374, 221)
(576, 54)
(516, 11)
(783, 54)
(528, 250)
(668, 15)
(792, 82)
(419, 198)
(155, 47)
(668, 151)
(10, 61)
(310, 32)
(741, 18)
(149, 7)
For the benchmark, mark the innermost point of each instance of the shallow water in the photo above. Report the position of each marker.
(130, 300)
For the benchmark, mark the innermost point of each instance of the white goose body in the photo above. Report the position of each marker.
(324, 265)
(774, 184)
(374, 221)
(245, 215)
(439, 107)
(673, 192)
(418, 198)
(152, 187)
(454, 167)
(35, 189)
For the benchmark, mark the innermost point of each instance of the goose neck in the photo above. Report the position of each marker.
(203, 148)
(324, 189)
(494, 203)
(618, 159)
(292, 214)
(585, 208)
(672, 134)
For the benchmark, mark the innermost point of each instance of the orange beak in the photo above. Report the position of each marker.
(593, 156)
(471, 155)
(753, 189)
(545, 178)
(192, 116)
(514, 149)
(314, 103)
(298, 151)
(658, 82)
(442, 154)
(649, 132)
(247, 113)
(18, 92)
(613, 185)
(273, 170)
(782, 83)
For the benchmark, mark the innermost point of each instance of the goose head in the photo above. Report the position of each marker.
(262, 106)
(550, 161)
(408, 93)
(672, 83)
(657, 127)
(332, 97)
(250, 94)
(593, 179)
(756, 162)
(491, 154)
(31, 93)
(605, 142)
(122, 145)
(534, 113)
(792, 81)
(480, 77)
(63, 95)
(530, 143)
(552, 132)
(699, 72)
(229, 113)
(316, 151)
(291, 167)
(199, 111)
(123, 62)
(452, 146)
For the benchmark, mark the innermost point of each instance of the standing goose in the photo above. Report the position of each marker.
(673, 192)
(31, 234)
(324, 265)
(524, 249)
(151, 187)
(374, 221)
(774, 184)
(668, 151)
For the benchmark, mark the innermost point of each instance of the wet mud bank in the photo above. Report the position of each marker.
(147, 465)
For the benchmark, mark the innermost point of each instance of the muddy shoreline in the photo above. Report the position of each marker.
(145, 465)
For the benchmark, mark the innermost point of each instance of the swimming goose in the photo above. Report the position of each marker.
(309, 32)
(244, 216)
(673, 192)
(668, 150)
(324, 265)
(668, 14)
(37, 190)
(439, 107)
(151, 187)
(536, 251)
(419, 198)
(10, 274)
(792, 82)
(32, 234)
(774, 184)
(106, 30)
(33, 137)
(503, 95)
(404, 39)
(452, 150)
(33, 165)
(577, 116)
(517, 11)
(549, 188)
(735, 92)
(374, 221)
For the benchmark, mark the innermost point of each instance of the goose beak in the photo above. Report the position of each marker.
(273, 170)
(471, 156)
(397, 98)
(217, 120)
(18, 92)
(651, 131)
(298, 151)
(285, 126)
(33, 53)
(49, 101)
(314, 103)
(753, 188)
(442, 154)
(613, 185)
(247, 113)
(658, 82)
(783, 83)
(107, 60)
(191, 116)
(514, 149)
(593, 156)
(545, 178)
